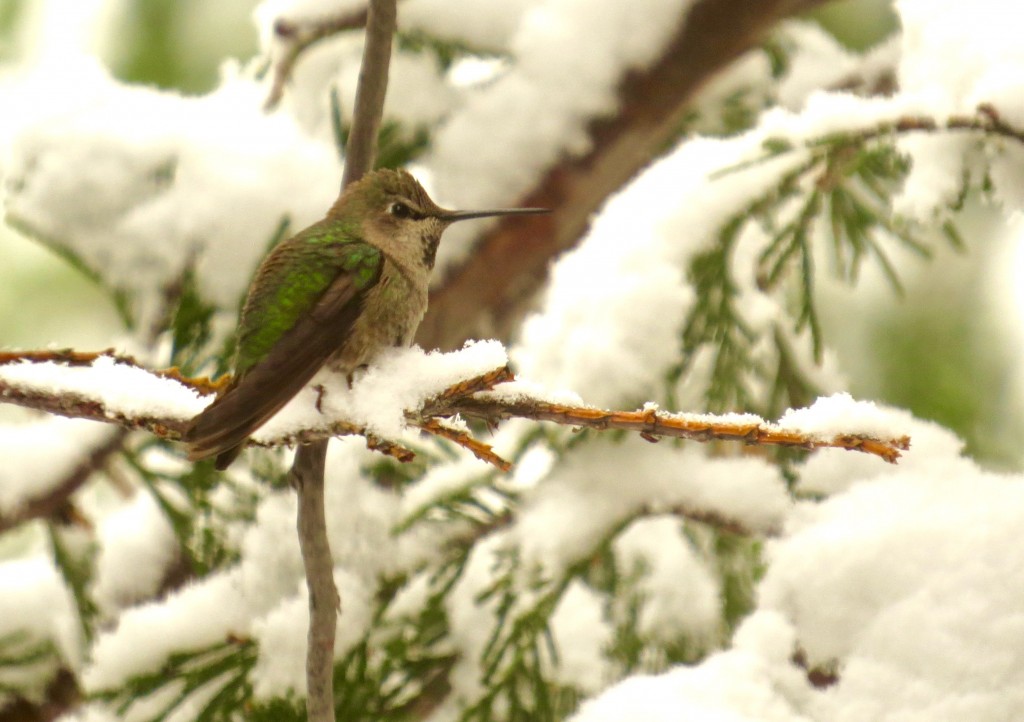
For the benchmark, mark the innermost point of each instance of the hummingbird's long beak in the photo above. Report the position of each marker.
(453, 216)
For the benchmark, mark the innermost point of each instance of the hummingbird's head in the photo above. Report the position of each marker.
(400, 217)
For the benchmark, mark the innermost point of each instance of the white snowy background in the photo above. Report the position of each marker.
(907, 581)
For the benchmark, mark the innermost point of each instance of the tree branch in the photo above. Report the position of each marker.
(474, 301)
(296, 38)
(481, 397)
(652, 425)
(307, 473)
(307, 476)
(373, 85)
(51, 501)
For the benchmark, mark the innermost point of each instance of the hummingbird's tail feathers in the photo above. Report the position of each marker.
(229, 420)
(225, 458)
(265, 388)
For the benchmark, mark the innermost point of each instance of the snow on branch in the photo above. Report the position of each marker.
(47, 462)
(409, 388)
(691, 44)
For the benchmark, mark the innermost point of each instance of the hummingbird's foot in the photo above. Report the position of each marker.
(351, 375)
(320, 393)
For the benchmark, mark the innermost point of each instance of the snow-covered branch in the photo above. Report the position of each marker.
(116, 389)
(50, 493)
(651, 100)
(708, 167)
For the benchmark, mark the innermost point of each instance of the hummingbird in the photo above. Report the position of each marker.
(334, 294)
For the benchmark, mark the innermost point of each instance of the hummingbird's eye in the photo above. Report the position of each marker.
(400, 210)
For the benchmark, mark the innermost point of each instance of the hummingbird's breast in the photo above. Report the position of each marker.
(391, 314)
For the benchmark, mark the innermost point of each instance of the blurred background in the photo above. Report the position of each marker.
(948, 349)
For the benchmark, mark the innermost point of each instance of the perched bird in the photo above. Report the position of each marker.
(336, 293)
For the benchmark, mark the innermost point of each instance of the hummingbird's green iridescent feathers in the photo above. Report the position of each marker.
(338, 292)
(292, 278)
(291, 324)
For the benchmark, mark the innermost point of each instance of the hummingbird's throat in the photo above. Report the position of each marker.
(430, 244)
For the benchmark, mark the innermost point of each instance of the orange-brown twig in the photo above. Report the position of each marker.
(69, 357)
(483, 382)
(389, 448)
(66, 356)
(470, 398)
(652, 424)
(478, 448)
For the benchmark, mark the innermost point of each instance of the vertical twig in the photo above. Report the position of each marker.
(373, 85)
(324, 602)
(307, 473)
(297, 37)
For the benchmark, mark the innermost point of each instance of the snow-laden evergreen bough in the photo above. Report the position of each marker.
(604, 577)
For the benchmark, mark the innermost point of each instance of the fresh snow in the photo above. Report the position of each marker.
(906, 579)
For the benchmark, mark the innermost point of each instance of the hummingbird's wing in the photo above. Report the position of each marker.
(261, 388)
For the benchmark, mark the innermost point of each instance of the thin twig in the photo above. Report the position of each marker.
(470, 398)
(307, 476)
(651, 424)
(72, 358)
(297, 37)
(307, 473)
(476, 447)
(483, 382)
(51, 500)
(389, 448)
(373, 85)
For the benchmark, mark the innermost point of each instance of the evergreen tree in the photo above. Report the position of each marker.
(518, 549)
